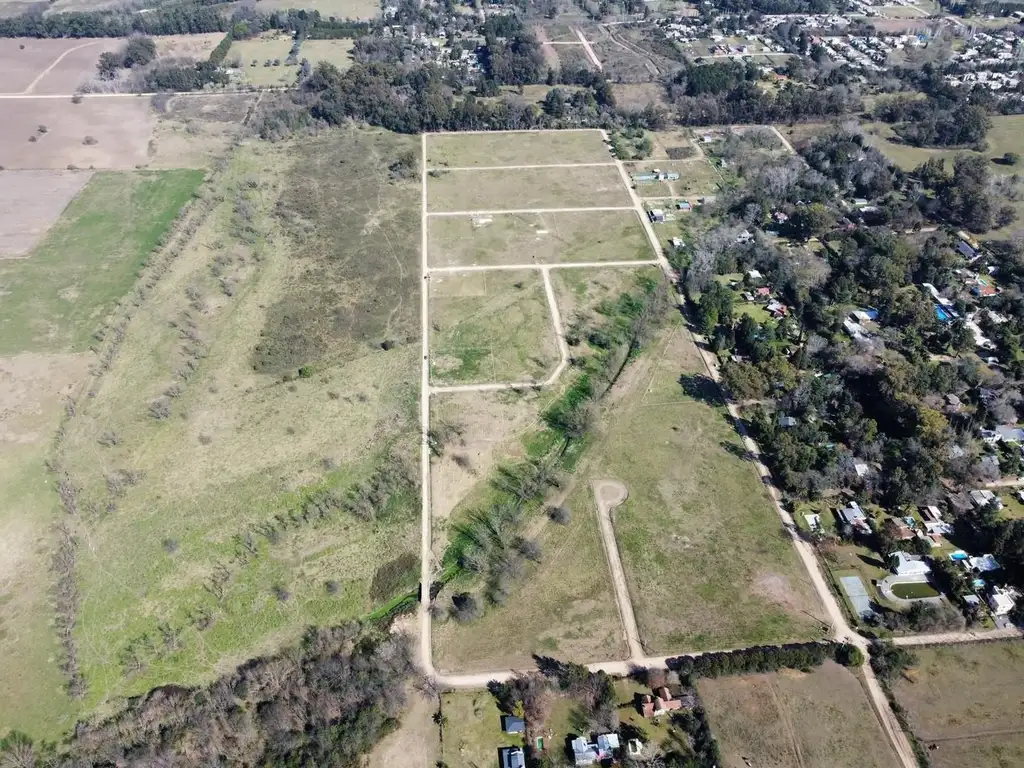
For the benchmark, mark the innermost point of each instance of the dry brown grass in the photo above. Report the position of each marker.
(504, 148)
(195, 130)
(501, 190)
(195, 46)
(795, 720)
(122, 127)
(25, 68)
(967, 699)
(416, 743)
(30, 202)
(489, 426)
(536, 238)
(32, 392)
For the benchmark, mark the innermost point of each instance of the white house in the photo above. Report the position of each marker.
(903, 564)
(1001, 601)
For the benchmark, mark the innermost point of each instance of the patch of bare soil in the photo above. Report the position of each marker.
(98, 133)
(776, 588)
(486, 424)
(30, 202)
(31, 388)
(416, 743)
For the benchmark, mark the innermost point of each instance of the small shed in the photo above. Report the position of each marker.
(512, 724)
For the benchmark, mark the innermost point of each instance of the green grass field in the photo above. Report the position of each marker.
(255, 54)
(708, 563)
(472, 730)
(525, 188)
(1006, 135)
(60, 295)
(499, 148)
(490, 327)
(536, 238)
(234, 503)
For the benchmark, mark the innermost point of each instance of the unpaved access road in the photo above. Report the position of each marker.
(609, 494)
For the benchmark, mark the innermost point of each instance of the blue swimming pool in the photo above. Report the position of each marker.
(943, 314)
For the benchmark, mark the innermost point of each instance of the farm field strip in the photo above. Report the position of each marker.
(516, 167)
(544, 267)
(498, 212)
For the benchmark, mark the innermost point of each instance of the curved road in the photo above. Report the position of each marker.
(609, 494)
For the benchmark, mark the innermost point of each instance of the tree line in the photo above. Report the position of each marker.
(325, 702)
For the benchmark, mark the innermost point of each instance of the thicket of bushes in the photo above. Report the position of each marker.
(326, 702)
(765, 658)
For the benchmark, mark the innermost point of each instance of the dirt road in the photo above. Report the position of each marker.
(609, 494)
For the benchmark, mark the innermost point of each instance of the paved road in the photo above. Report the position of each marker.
(609, 494)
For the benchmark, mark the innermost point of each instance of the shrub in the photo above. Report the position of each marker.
(160, 409)
(332, 587)
(560, 515)
(306, 372)
(170, 546)
(281, 593)
(42, 129)
(848, 655)
(466, 607)
(90, 141)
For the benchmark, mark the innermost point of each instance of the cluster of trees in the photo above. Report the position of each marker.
(423, 100)
(326, 702)
(947, 118)
(765, 658)
(967, 197)
(139, 51)
(511, 54)
(184, 19)
(747, 103)
(179, 19)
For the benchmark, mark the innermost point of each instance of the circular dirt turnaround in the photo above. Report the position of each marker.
(610, 494)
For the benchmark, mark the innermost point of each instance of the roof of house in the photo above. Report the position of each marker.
(965, 249)
(909, 565)
(606, 742)
(983, 563)
(852, 513)
(1010, 433)
(1001, 602)
(511, 724)
(584, 753)
(512, 757)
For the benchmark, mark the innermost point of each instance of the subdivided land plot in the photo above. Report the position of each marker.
(490, 327)
(536, 238)
(966, 700)
(707, 560)
(463, 150)
(525, 189)
(820, 719)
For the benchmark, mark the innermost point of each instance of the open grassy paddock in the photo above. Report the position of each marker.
(818, 720)
(526, 188)
(490, 327)
(966, 699)
(708, 562)
(536, 238)
(257, 57)
(58, 296)
(336, 52)
(509, 148)
(49, 66)
(206, 448)
(472, 730)
(30, 202)
(1006, 135)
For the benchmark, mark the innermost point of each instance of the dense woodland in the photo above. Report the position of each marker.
(325, 703)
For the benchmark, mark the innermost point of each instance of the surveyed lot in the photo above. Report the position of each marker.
(257, 57)
(696, 178)
(30, 202)
(538, 238)
(464, 150)
(708, 564)
(101, 133)
(564, 606)
(490, 327)
(527, 188)
(49, 66)
(58, 296)
(966, 699)
(820, 719)
(472, 730)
